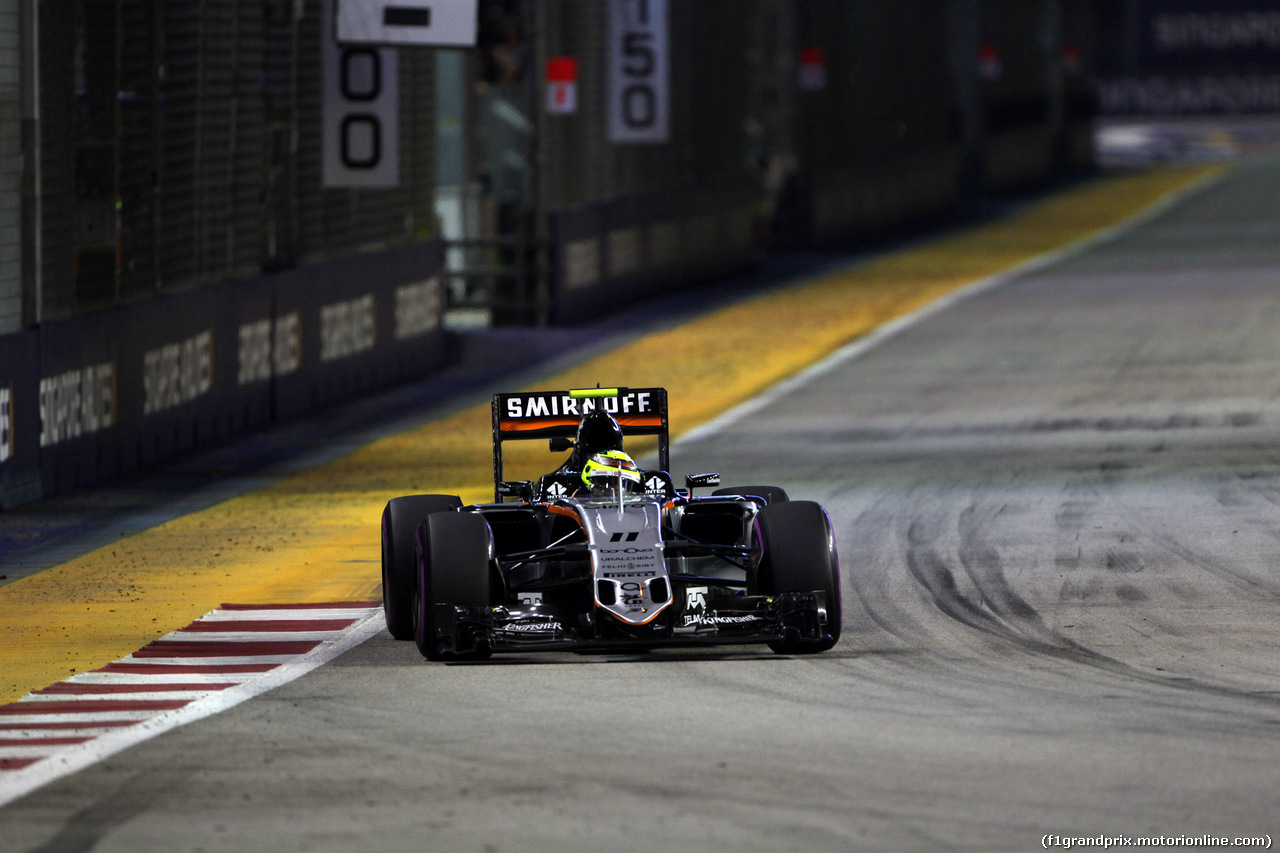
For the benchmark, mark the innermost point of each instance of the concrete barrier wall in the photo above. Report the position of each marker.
(835, 205)
(87, 398)
(1189, 57)
(610, 253)
(19, 415)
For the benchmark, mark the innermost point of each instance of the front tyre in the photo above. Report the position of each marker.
(800, 556)
(454, 554)
(400, 519)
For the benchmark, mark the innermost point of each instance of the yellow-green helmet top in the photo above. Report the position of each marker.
(605, 469)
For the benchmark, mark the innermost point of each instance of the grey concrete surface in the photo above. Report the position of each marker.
(1058, 509)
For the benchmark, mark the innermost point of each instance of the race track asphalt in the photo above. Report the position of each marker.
(1058, 508)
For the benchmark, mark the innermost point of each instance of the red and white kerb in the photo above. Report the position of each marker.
(228, 655)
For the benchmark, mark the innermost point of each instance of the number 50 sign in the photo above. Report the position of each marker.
(638, 84)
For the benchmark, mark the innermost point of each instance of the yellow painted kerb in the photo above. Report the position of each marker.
(314, 536)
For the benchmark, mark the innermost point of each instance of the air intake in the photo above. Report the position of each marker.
(659, 591)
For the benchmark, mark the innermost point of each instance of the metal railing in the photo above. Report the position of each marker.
(508, 277)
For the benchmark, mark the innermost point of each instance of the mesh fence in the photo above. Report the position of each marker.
(181, 140)
(11, 169)
(333, 222)
(712, 71)
(877, 118)
(181, 145)
(886, 85)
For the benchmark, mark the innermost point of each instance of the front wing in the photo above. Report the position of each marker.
(741, 619)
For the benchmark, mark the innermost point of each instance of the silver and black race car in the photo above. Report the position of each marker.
(600, 555)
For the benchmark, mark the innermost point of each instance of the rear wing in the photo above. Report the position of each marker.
(551, 414)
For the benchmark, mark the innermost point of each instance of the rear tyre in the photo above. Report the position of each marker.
(800, 556)
(400, 519)
(454, 551)
(770, 494)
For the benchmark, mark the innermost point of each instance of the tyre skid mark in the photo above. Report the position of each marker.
(227, 656)
(1255, 586)
(982, 562)
(1019, 623)
(866, 575)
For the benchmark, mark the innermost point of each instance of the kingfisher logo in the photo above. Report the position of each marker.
(532, 627)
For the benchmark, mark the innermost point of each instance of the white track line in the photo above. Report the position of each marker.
(194, 636)
(37, 699)
(272, 660)
(117, 678)
(283, 615)
(36, 719)
(27, 751)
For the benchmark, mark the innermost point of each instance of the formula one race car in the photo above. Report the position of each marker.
(600, 555)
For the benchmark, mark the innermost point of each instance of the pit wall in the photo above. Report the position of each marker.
(611, 253)
(85, 399)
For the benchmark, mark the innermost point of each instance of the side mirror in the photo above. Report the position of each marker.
(559, 444)
(522, 489)
(694, 481)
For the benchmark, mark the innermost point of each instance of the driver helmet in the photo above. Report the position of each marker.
(598, 432)
(604, 471)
